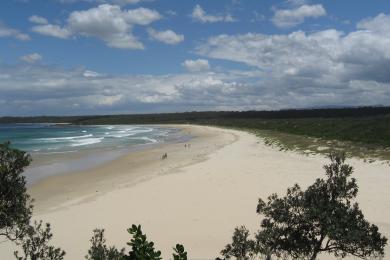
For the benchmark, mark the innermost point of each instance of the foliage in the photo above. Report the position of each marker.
(16, 209)
(35, 244)
(15, 203)
(141, 248)
(99, 250)
(323, 218)
(179, 252)
(242, 248)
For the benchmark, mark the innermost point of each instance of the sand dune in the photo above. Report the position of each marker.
(196, 196)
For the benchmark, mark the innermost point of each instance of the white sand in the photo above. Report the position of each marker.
(196, 197)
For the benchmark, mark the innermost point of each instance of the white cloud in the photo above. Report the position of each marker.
(37, 19)
(296, 2)
(380, 24)
(52, 30)
(168, 36)
(198, 14)
(91, 74)
(141, 16)
(311, 68)
(294, 70)
(117, 2)
(31, 58)
(125, 2)
(196, 65)
(109, 100)
(107, 22)
(31, 89)
(287, 18)
(6, 31)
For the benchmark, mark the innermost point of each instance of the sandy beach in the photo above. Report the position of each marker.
(196, 197)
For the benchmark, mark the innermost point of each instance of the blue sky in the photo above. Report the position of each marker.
(138, 56)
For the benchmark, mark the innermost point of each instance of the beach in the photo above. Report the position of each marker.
(196, 196)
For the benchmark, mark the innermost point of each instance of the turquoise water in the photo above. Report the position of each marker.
(54, 138)
(60, 149)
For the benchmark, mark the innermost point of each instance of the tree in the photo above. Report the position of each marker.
(35, 244)
(15, 204)
(99, 250)
(242, 248)
(141, 248)
(16, 209)
(179, 252)
(323, 218)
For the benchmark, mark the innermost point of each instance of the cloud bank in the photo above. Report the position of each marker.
(294, 70)
(316, 68)
(109, 23)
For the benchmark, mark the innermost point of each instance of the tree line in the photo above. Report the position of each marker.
(365, 125)
(199, 116)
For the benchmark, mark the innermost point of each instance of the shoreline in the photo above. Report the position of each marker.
(196, 197)
(145, 164)
(64, 162)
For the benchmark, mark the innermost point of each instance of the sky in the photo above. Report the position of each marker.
(78, 57)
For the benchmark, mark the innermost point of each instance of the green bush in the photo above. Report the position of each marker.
(16, 209)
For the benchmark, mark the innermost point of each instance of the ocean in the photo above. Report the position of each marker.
(61, 138)
(62, 148)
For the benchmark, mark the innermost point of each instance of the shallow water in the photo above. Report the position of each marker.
(54, 138)
(58, 149)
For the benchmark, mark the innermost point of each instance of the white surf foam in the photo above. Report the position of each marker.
(87, 141)
(142, 130)
(148, 139)
(121, 135)
(56, 139)
(129, 132)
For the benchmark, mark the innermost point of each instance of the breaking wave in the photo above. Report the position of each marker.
(50, 139)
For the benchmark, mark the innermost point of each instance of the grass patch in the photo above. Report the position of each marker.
(310, 145)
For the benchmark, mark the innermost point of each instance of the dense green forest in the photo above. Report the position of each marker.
(367, 125)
